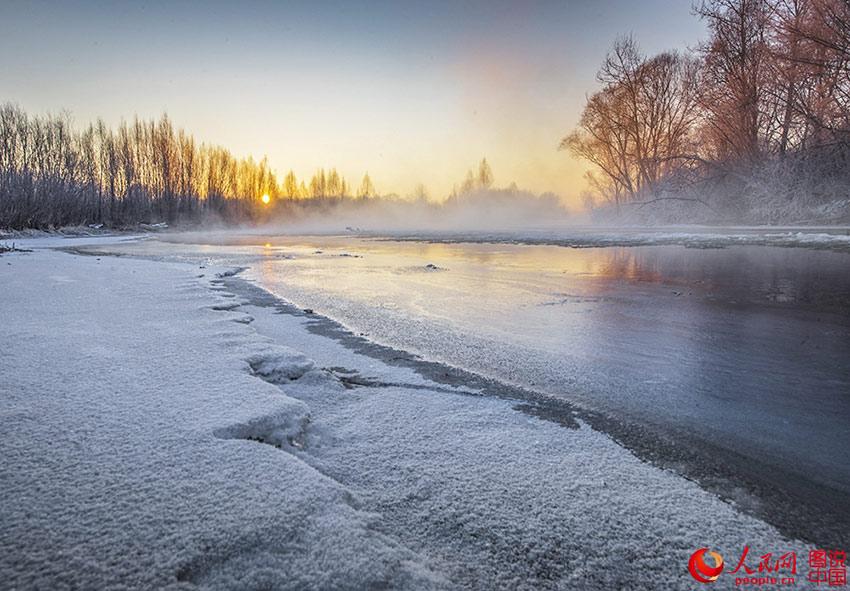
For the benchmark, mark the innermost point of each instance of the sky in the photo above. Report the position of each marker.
(412, 92)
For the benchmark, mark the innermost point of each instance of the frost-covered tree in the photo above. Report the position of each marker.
(485, 175)
(367, 189)
(334, 184)
(420, 193)
(318, 184)
(639, 126)
(290, 186)
(736, 77)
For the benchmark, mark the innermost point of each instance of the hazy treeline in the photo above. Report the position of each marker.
(474, 203)
(54, 175)
(754, 122)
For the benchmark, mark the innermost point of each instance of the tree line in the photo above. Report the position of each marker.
(143, 171)
(146, 171)
(758, 115)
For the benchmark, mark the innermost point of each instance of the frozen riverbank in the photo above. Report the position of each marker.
(835, 238)
(727, 365)
(160, 431)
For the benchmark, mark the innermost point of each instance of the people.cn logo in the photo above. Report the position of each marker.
(700, 570)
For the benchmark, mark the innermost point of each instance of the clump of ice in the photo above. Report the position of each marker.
(279, 364)
(286, 427)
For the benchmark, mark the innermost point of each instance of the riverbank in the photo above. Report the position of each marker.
(160, 430)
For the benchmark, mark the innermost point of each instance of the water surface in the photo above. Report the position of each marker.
(746, 347)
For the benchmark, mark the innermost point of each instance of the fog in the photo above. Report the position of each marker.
(485, 210)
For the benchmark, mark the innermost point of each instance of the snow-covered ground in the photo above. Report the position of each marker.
(159, 431)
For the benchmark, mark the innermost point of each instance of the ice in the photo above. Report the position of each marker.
(279, 364)
(835, 238)
(151, 440)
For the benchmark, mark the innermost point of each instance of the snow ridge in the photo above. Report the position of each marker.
(130, 412)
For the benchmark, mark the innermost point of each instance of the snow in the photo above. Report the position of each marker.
(158, 432)
(126, 402)
(834, 238)
(279, 364)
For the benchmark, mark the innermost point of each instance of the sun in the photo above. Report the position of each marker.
(265, 198)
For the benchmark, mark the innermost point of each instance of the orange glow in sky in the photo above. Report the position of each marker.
(409, 92)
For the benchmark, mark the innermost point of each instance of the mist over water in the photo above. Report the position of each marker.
(496, 210)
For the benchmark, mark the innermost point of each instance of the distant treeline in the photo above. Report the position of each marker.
(53, 175)
(755, 122)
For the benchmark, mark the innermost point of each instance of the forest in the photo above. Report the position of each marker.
(147, 171)
(751, 124)
(53, 175)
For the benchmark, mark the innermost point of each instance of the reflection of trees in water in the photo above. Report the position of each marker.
(778, 275)
(633, 265)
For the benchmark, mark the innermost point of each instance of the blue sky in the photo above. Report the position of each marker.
(412, 92)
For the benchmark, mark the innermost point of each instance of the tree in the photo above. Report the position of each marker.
(290, 186)
(367, 189)
(735, 77)
(816, 35)
(468, 184)
(318, 184)
(334, 187)
(420, 193)
(485, 175)
(639, 126)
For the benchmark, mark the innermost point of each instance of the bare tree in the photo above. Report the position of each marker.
(639, 126)
(485, 175)
(735, 77)
(52, 175)
(367, 189)
(290, 186)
